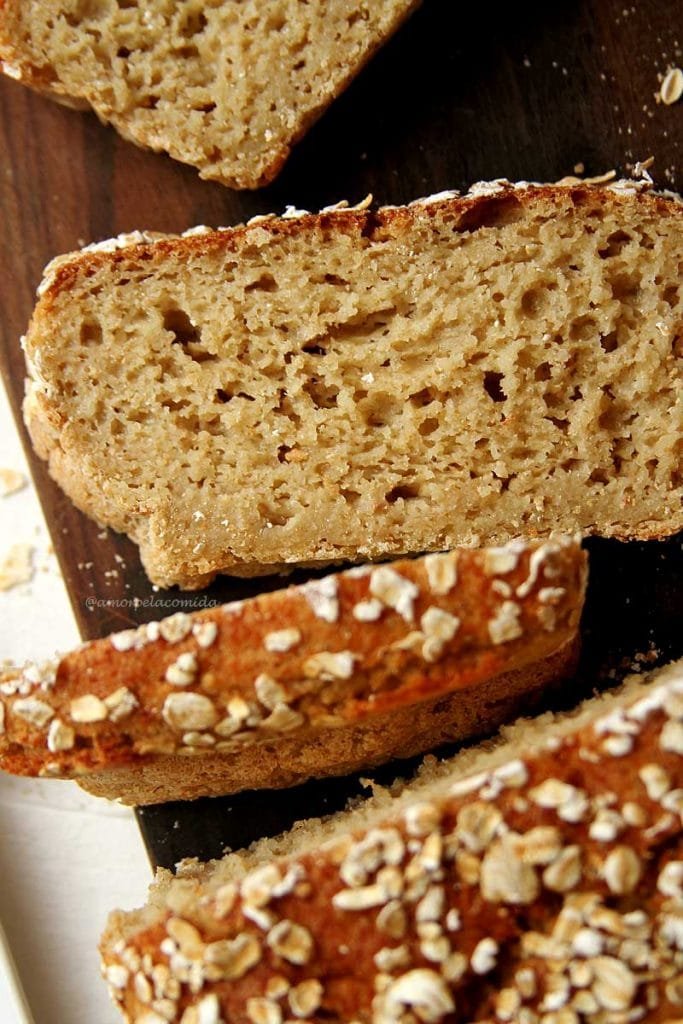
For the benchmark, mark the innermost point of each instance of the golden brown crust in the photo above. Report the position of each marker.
(547, 887)
(468, 210)
(404, 731)
(348, 654)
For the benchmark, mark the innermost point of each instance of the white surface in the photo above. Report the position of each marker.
(66, 859)
(11, 991)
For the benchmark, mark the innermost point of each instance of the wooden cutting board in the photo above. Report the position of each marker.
(525, 91)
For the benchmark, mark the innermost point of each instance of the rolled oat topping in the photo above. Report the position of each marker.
(184, 711)
(541, 900)
(282, 640)
(88, 708)
(34, 711)
(394, 591)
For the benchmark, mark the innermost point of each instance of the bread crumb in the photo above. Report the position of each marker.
(11, 481)
(16, 567)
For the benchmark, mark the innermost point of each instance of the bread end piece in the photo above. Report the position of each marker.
(459, 715)
(318, 679)
(547, 869)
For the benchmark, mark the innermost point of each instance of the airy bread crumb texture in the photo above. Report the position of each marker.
(539, 881)
(358, 385)
(226, 86)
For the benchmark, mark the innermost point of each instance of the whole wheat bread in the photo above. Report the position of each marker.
(539, 882)
(358, 385)
(320, 679)
(227, 86)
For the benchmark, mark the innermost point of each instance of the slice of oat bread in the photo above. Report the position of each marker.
(227, 86)
(358, 385)
(541, 880)
(320, 679)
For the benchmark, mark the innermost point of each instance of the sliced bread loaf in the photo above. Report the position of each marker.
(541, 881)
(226, 86)
(359, 385)
(320, 679)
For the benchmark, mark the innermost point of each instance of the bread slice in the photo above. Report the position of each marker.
(541, 880)
(226, 86)
(359, 385)
(319, 679)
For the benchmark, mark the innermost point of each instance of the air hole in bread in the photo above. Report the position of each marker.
(428, 426)
(402, 491)
(423, 397)
(188, 52)
(195, 23)
(561, 424)
(616, 242)
(323, 396)
(625, 287)
(181, 327)
(186, 334)
(272, 515)
(91, 333)
(610, 341)
(265, 283)
(670, 295)
(535, 299)
(599, 476)
(380, 409)
(504, 481)
(492, 213)
(493, 386)
(583, 328)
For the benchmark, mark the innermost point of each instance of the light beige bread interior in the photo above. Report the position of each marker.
(320, 679)
(227, 86)
(357, 384)
(540, 880)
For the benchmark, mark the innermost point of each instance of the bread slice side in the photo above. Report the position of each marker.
(315, 680)
(549, 863)
(227, 87)
(359, 385)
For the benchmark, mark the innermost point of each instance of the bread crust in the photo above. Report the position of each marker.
(550, 881)
(165, 551)
(463, 713)
(318, 679)
(469, 210)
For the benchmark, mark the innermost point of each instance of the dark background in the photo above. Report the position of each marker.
(523, 91)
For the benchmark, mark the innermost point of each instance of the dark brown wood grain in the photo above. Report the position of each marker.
(463, 92)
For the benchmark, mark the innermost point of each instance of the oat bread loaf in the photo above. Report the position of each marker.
(539, 882)
(226, 86)
(358, 385)
(319, 679)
